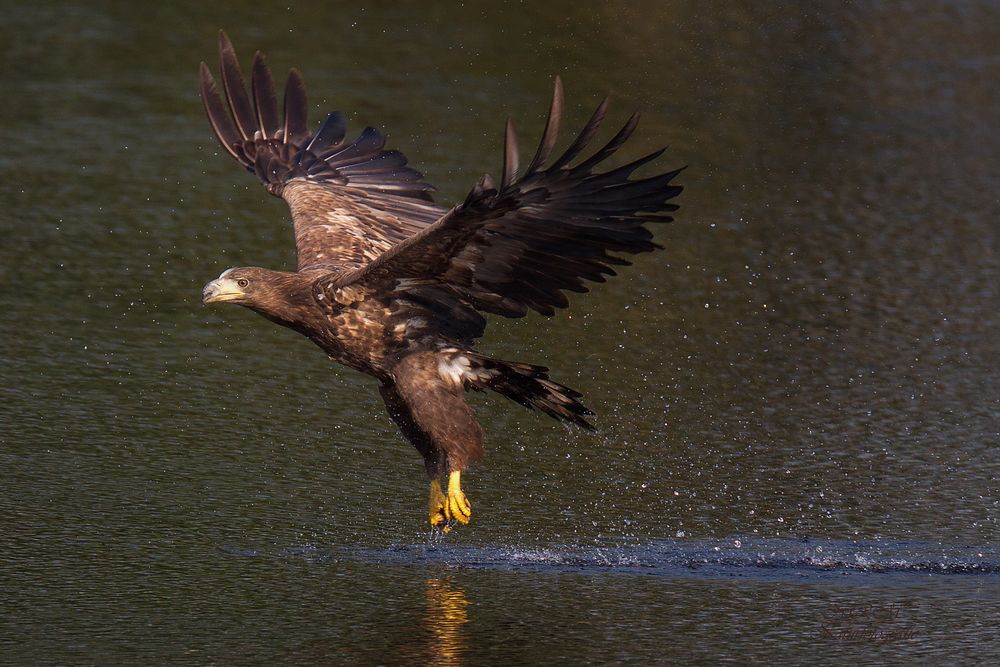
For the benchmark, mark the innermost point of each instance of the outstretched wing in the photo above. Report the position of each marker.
(522, 244)
(350, 200)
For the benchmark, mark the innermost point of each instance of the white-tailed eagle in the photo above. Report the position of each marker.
(391, 285)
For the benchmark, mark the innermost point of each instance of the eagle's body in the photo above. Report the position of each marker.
(391, 285)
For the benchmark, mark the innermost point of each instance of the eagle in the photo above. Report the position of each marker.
(390, 284)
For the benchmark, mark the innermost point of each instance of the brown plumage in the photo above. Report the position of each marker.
(391, 285)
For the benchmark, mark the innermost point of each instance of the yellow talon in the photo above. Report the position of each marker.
(453, 506)
(438, 505)
(459, 507)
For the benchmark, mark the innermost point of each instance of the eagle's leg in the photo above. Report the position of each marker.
(431, 411)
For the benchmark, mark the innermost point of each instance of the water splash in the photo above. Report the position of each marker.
(722, 558)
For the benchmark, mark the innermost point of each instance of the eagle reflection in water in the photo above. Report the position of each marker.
(446, 619)
(390, 284)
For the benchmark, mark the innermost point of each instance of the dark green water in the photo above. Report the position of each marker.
(798, 400)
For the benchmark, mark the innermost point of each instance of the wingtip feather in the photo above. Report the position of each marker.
(235, 87)
(586, 134)
(218, 117)
(296, 109)
(510, 157)
(264, 97)
(551, 133)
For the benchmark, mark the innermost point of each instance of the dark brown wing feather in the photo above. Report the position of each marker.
(522, 245)
(350, 200)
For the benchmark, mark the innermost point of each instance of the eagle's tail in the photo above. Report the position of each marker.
(529, 385)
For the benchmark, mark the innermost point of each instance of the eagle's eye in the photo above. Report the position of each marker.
(242, 282)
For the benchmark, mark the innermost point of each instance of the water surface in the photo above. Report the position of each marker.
(811, 363)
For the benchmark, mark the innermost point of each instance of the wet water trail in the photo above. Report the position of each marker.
(801, 560)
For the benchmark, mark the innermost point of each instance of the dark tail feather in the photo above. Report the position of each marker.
(531, 387)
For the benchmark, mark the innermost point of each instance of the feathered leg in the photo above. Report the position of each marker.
(433, 415)
(435, 460)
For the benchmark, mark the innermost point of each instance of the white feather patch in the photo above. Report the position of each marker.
(453, 369)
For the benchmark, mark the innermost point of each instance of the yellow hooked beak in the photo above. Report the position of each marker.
(221, 289)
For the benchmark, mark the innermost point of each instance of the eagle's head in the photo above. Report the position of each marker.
(239, 285)
(277, 295)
